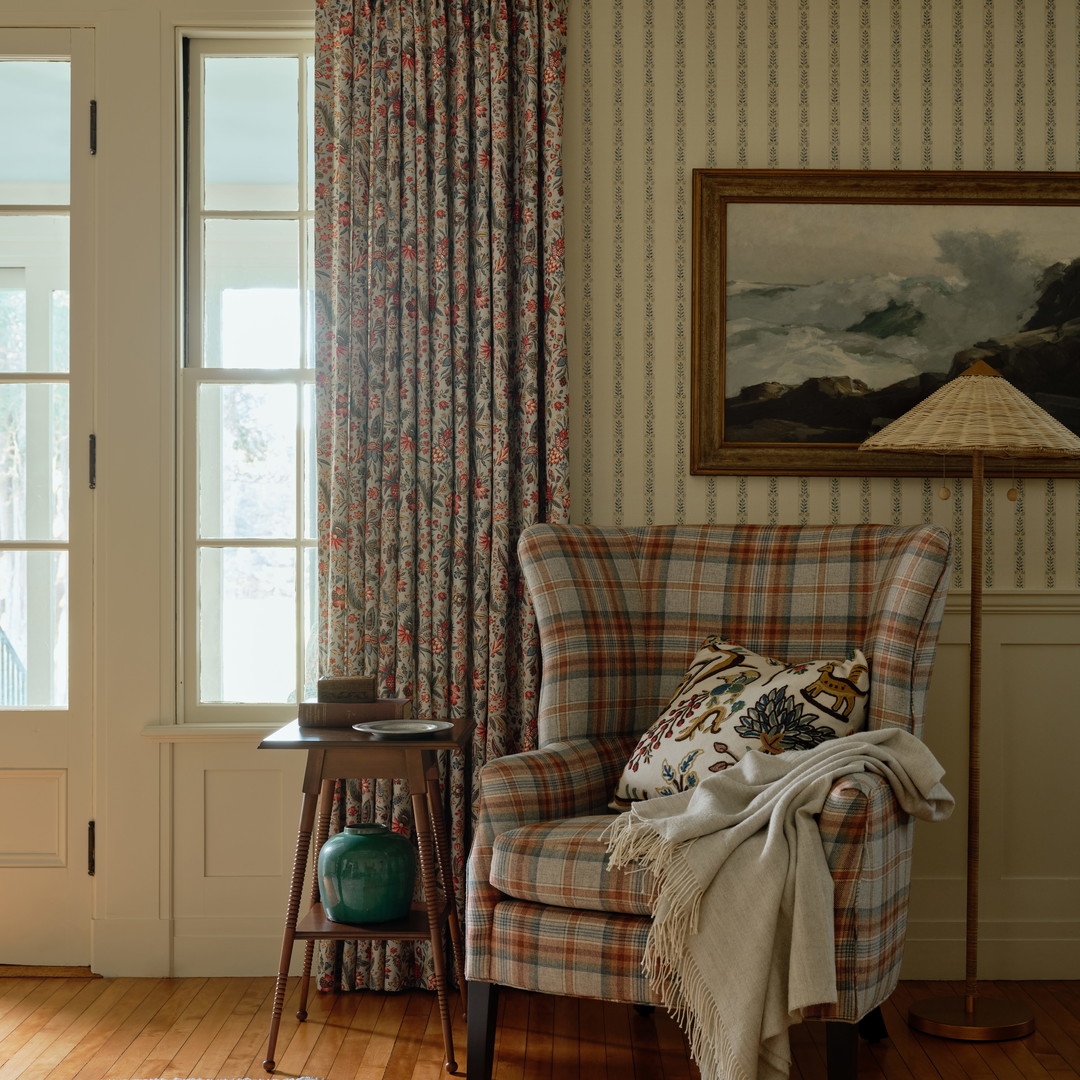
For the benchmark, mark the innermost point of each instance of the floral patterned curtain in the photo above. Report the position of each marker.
(441, 394)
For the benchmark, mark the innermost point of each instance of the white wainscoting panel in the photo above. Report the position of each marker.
(234, 830)
(242, 820)
(33, 817)
(1029, 891)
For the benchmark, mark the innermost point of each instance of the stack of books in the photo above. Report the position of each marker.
(344, 700)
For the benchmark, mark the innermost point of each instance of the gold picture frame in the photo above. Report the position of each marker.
(819, 310)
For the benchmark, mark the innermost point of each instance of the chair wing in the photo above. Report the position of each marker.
(621, 611)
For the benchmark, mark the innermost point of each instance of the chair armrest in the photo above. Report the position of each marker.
(867, 840)
(565, 779)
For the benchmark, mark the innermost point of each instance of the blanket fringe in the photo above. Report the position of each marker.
(686, 995)
(631, 840)
(668, 966)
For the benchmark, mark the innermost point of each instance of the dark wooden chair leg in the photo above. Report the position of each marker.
(483, 1011)
(872, 1026)
(841, 1050)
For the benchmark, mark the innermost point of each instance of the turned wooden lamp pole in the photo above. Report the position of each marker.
(980, 414)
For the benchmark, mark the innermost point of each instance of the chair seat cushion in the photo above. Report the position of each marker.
(564, 863)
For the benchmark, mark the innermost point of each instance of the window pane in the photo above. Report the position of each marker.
(310, 140)
(309, 254)
(311, 492)
(247, 625)
(33, 292)
(250, 135)
(12, 321)
(33, 461)
(59, 336)
(35, 141)
(311, 622)
(247, 461)
(251, 294)
(33, 628)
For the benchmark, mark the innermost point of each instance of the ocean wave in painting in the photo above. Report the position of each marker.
(879, 328)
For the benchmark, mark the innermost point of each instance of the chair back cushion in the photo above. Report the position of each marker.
(622, 611)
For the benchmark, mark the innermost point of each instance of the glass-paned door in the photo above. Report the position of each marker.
(45, 527)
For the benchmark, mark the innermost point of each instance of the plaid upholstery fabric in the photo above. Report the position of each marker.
(867, 840)
(620, 613)
(565, 863)
(564, 780)
(532, 944)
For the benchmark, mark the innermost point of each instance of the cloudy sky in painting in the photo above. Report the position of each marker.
(800, 244)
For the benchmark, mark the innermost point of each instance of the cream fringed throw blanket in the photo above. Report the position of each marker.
(742, 934)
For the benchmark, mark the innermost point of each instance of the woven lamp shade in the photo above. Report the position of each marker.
(979, 410)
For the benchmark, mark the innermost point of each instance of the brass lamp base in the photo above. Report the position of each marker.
(989, 1019)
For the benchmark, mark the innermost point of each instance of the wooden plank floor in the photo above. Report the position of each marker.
(122, 1029)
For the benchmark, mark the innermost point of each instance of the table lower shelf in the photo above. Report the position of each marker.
(315, 925)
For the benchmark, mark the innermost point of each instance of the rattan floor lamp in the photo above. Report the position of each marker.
(981, 414)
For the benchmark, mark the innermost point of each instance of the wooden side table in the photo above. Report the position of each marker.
(336, 753)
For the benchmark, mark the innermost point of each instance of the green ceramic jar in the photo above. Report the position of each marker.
(366, 874)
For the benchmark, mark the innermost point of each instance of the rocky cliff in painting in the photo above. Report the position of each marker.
(1041, 358)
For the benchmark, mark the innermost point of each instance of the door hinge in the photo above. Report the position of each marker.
(91, 848)
(93, 127)
(93, 461)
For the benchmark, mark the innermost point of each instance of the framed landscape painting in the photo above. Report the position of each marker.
(828, 303)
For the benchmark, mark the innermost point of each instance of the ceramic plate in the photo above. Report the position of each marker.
(403, 729)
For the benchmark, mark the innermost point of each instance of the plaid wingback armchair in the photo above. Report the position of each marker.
(620, 612)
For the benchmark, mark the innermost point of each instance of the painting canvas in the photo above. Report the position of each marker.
(828, 304)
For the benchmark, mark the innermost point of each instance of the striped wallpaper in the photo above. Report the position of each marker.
(657, 88)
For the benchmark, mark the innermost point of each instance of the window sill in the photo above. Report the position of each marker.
(223, 732)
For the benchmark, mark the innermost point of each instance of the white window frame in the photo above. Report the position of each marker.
(194, 46)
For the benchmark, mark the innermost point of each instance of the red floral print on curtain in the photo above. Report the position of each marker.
(441, 378)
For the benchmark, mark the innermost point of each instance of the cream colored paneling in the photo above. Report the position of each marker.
(244, 945)
(33, 817)
(1029, 890)
(236, 810)
(242, 823)
(233, 810)
(1036, 682)
(940, 846)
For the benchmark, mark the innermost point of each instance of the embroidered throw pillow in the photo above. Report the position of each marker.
(732, 700)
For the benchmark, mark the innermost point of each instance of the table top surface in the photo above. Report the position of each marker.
(294, 737)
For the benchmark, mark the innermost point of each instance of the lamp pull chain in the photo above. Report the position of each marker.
(1013, 493)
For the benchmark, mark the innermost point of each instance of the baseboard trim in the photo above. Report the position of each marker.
(132, 948)
(999, 958)
(245, 947)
